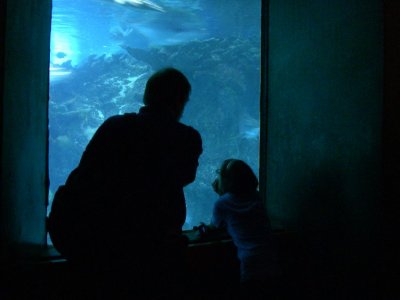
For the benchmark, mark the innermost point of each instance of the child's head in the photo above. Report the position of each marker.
(235, 177)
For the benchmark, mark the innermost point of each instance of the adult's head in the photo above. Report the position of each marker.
(235, 177)
(167, 89)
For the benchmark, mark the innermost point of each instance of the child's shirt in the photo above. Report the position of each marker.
(246, 221)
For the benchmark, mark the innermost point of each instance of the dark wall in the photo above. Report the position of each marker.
(391, 124)
(391, 143)
(325, 114)
(24, 122)
(333, 138)
(2, 41)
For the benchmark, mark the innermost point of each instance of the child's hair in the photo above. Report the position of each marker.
(237, 177)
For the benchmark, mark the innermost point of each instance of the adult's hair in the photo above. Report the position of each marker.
(167, 87)
(237, 177)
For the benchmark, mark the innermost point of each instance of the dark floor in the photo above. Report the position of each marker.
(310, 272)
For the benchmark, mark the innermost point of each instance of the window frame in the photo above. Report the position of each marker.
(43, 18)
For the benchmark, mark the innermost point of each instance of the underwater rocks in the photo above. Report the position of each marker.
(152, 57)
(223, 106)
(98, 88)
(201, 55)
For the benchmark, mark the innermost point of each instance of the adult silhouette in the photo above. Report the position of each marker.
(121, 211)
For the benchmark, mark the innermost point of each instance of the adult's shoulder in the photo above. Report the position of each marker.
(119, 121)
(113, 128)
(190, 135)
(188, 129)
(189, 132)
(120, 118)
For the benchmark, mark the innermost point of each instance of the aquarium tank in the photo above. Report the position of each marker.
(103, 51)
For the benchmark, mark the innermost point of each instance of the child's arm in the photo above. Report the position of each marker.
(210, 231)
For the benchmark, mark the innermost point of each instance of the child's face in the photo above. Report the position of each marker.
(217, 183)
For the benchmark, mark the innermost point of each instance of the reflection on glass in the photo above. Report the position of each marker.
(103, 51)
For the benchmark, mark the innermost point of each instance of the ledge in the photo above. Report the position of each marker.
(34, 255)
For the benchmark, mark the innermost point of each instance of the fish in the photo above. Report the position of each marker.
(174, 27)
(144, 4)
(61, 55)
(249, 127)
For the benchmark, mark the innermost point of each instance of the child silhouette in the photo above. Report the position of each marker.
(240, 211)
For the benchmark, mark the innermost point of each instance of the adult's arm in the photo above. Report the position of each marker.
(189, 160)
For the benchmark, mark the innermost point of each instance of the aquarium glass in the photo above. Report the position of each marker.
(103, 52)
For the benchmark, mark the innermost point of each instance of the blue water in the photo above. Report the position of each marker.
(102, 53)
